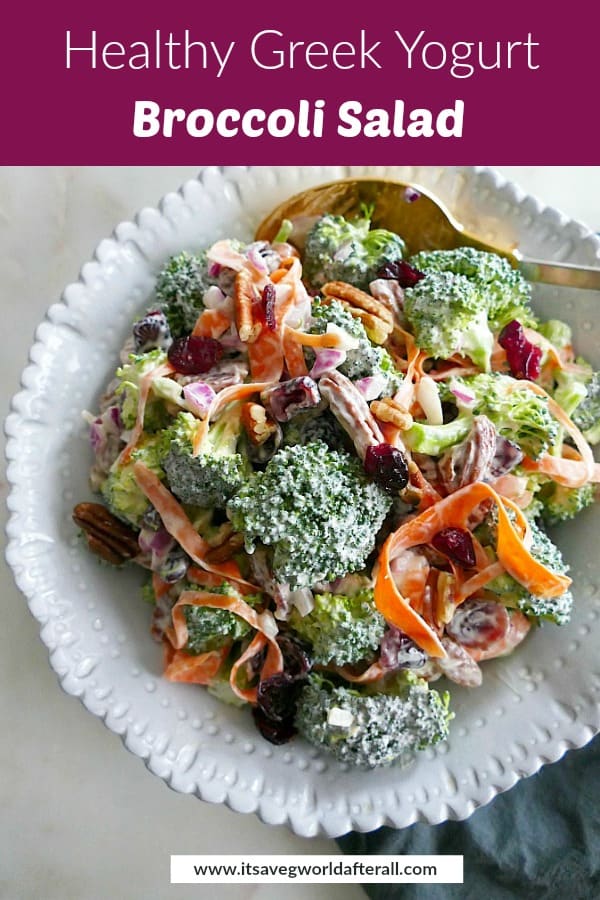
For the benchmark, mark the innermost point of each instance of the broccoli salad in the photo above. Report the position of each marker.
(336, 467)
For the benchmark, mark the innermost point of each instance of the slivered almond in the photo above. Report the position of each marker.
(243, 297)
(387, 410)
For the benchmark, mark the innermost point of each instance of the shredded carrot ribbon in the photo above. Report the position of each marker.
(264, 623)
(179, 526)
(454, 511)
(144, 393)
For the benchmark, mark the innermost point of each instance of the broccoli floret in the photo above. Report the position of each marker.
(130, 375)
(518, 413)
(502, 290)
(587, 414)
(375, 730)
(120, 490)
(514, 594)
(180, 287)
(434, 439)
(316, 508)
(447, 316)
(570, 390)
(341, 629)
(558, 333)
(559, 504)
(339, 249)
(210, 628)
(306, 428)
(367, 360)
(211, 477)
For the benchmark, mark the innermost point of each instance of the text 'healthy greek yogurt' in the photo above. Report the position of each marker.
(407, 53)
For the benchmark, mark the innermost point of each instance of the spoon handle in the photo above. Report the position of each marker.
(561, 274)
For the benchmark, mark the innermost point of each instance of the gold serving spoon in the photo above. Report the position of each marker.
(418, 217)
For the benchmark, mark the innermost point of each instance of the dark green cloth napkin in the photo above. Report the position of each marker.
(538, 841)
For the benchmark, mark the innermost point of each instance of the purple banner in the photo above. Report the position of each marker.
(317, 84)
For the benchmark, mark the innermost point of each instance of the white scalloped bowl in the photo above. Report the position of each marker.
(532, 706)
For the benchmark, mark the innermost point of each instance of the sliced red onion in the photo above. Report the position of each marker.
(372, 386)
(398, 651)
(292, 397)
(151, 541)
(214, 269)
(256, 259)
(411, 194)
(198, 397)
(105, 437)
(213, 298)
(96, 435)
(327, 359)
(462, 393)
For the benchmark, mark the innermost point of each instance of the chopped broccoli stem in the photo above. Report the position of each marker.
(434, 439)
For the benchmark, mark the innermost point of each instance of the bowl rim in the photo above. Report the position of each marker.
(12, 427)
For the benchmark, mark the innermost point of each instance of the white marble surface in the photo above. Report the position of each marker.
(79, 817)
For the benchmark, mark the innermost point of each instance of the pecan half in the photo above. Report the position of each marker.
(350, 408)
(375, 317)
(341, 290)
(243, 298)
(106, 536)
(225, 551)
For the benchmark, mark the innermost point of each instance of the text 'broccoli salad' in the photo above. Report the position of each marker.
(337, 469)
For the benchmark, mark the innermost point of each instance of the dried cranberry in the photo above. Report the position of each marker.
(507, 456)
(402, 272)
(268, 298)
(296, 661)
(524, 358)
(194, 355)
(479, 623)
(398, 651)
(456, 543)
(151, 332)
(277, 696)
(263, 307)
(272, 731)
(292, 397)
(387, 465)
